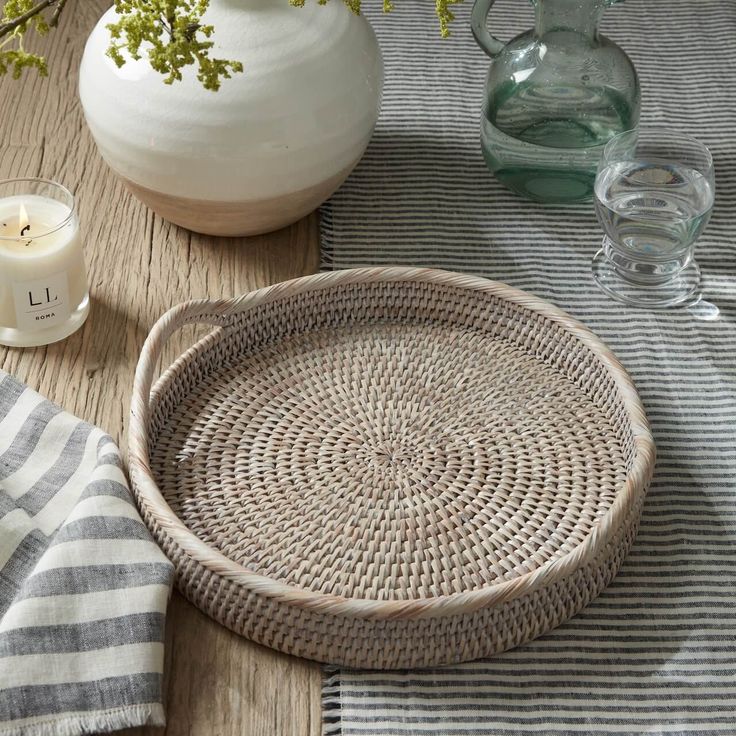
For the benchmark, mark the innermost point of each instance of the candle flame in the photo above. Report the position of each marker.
(24, 221)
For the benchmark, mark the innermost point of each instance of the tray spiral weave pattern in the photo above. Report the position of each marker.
(389, 467)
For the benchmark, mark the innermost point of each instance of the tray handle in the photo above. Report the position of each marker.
(196, 312)
(219, 314)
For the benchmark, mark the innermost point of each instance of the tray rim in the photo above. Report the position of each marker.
(218, 312)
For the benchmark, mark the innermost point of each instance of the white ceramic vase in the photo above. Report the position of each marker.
(266, 149)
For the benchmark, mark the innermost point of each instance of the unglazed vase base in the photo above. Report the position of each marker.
(239, 218)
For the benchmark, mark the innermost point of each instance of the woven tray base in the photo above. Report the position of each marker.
(393, 473)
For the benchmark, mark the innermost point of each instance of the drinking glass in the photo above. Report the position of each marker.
(654, 194)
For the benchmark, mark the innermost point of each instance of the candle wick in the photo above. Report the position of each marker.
(23, 231)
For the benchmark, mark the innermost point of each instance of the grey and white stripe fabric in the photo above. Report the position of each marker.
(83, 587)
(656, 653)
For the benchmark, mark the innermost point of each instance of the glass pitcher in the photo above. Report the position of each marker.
(554, 96)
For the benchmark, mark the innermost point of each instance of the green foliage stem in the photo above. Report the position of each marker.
(444, 13)
(173, 36)
(17, 17)
(169, 33)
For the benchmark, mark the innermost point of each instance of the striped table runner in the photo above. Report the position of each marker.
(656, 654)
(83, 587)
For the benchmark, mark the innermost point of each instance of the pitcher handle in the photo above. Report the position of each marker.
(479, 25)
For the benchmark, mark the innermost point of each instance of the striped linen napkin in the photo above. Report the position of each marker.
(83, 587)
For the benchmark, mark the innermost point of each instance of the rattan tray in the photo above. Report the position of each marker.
(389, 467)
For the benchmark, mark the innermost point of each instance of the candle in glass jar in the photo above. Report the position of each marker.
(43, 282)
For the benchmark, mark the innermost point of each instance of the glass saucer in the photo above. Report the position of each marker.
(681, 291)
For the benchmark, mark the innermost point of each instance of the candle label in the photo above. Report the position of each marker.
(43, 303)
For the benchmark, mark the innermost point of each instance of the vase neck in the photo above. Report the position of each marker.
(577, 16)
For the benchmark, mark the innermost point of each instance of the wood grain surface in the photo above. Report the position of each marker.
(139, 266)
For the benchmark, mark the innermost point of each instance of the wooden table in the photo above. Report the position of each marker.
(216, 683)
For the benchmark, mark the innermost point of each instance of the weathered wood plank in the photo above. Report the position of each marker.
(139, 266)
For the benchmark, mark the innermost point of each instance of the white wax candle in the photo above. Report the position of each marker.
(43, 279)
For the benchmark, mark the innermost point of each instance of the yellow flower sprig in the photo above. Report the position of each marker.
(444, 13)
(169, 33)
(16, 18)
